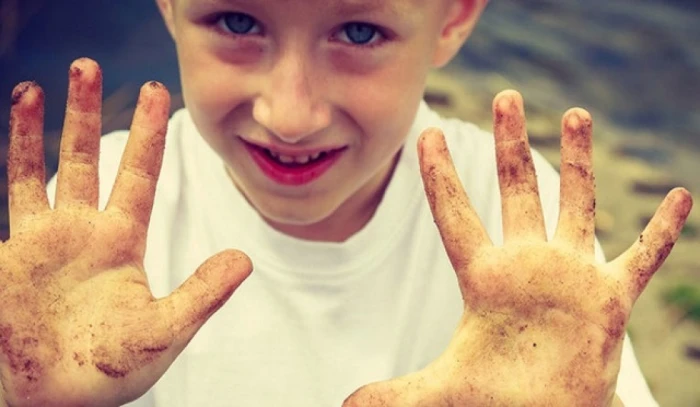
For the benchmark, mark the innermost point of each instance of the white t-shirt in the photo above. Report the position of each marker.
(317, 320)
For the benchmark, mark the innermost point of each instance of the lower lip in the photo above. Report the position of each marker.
(288, 175)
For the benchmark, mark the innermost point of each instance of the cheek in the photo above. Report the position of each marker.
(385, 103)
(210, 86)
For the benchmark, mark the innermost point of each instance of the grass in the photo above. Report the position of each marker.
(686, 298)
(689, 231)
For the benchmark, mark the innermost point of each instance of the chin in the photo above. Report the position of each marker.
(305, 225)
(297, 214)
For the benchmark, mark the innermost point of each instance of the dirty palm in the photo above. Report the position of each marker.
(79, 325)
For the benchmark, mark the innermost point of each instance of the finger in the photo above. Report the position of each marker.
(26, 173)
(400, 391)
(639, 263)
(577, 205)
(77, 182)
(191, 304)
(460, 228)
(520, 199)
(135, 186)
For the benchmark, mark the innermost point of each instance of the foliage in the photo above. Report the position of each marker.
(685, 297)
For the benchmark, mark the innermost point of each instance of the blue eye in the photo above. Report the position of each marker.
(361, 33)
(239, 23)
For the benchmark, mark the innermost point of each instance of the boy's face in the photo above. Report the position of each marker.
(271, 84)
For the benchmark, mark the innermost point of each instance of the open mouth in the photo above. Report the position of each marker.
(297, 161)
(293, 169)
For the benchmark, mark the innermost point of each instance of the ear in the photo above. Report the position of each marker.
(166, 10)
(460, 19)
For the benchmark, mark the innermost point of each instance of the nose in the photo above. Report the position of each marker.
(292, 105)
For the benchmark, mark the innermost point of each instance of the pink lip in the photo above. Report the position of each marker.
(287, 175)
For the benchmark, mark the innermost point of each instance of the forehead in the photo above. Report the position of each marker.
(336, 6)
(395, 6)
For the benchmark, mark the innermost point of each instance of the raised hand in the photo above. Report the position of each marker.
(78, 323)
(543, 322)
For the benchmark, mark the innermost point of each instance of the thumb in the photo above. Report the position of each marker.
(203, 293)
(407, 390)
(366, 396)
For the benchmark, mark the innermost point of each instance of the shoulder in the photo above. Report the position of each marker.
(112, 147)
(112, 144)
(632, 389)
(473, 152)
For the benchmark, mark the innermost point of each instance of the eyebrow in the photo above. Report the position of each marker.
(350, 7)
(338, 7)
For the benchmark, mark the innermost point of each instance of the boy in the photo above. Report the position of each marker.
(292, 149)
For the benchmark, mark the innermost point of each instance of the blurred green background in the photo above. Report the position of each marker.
(635, 64)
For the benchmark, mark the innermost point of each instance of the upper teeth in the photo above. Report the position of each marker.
(288, 159)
